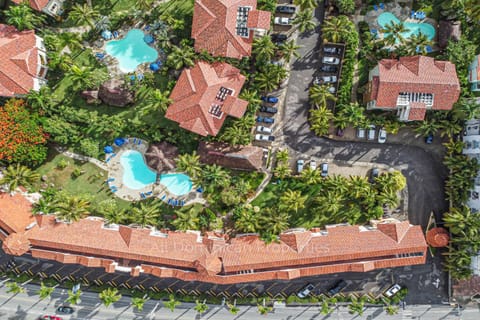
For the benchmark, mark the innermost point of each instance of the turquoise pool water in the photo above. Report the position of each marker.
(176, 183)
(131, 50)
(137, 175)
(413, 28)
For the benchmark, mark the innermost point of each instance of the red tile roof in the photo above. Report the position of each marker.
(438, 237)
(417, 111)
(196, 91)
(15, 212)
(214, 27)
(19, 61)
(35, 4)
(240, 157)
(415, 74)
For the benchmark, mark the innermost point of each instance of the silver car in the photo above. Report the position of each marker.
(371, 132)
(330, 60)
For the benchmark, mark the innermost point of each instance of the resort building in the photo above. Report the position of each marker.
(205, 95)
(53, 8)
(411, 86)
(474, 74)
(213, 257)
(24, 61)
(227, 28)
(239, 157)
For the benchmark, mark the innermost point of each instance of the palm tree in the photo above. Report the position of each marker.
(304, 20)
(306, 4)
(186, 220)
(292, 201)
(427, 127)
(18, 175)
(68, 39)
(181, 57)
(311, 176)
(391, 310)
(263, 310)
(14, 288)
(22, 17)
(472, 8)
(200, 307)
(109, 296)
(138, 303)
(172, 303)
(320, 120)
(144, 5)
(289, 49)
(450, 128)
(214, 176)
(335, 29)
(74, 298)
(83, 14)
(389, 198)
(44, 291)
(41, 100)
(190, 164)
(417, 44)
(454, 147)
(263, 48)
(356, 306)
(72, 208)
(273, 222)
(358, 186)
(252, 97)
(153, 100)
(266, 80)
(146, 214)
(236, 135)
(466, 109)
(282, 170)
(330, 202)
(325, 308)
(352, 113)
(247, 221)
(86, 77)
(320, 94)
(282, 156)
(233, 308)
(394, 32)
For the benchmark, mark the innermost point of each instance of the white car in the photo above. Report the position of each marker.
(330, 60)
(313, 164)
(382, 135)
(300, 164)
(306, 291)
(325, 79)
(361, 133)
(264, 129)
(261, 137)
(393, 290)
(283, 21)
(371, 132)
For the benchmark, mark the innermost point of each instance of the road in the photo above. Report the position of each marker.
(27, 306)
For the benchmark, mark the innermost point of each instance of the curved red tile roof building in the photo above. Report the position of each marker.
(215, 258)
(205, 95)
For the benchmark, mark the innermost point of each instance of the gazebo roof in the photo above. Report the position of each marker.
(161, 156)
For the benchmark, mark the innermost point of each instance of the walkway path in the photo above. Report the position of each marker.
(80, 157)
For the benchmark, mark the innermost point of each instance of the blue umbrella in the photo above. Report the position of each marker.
(106, 34)
(108, 149)
(119, 141)
(148, 38)
(154, 66)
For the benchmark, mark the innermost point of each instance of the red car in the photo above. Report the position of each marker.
(47, 317)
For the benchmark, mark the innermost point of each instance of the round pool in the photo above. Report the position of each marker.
(176, 183)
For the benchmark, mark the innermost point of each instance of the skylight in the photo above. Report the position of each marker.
(242, 17)
(215, 110)
(222, 93)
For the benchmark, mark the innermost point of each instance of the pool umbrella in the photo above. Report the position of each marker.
(161, 156)
(119, 141)
(106, 34)
(108, 149)
(154, 66)
(148, 38)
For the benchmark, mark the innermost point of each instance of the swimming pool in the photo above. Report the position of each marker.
(131, 51)
(137, 175)
(413, 28)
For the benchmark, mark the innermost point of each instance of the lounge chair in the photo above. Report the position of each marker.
(134, 140)
(175, 202)
(139, 142)
(163, 197)
(412, 14)
(375, 7)
(142, 195)
(149, 193)
(170, 201)
(99, 55)
(110, 179)
(115, 34)
(382, 6)
(140, 76)
(182, 203)
(428, 48)
(147, 27)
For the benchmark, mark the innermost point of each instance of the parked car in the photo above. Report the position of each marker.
(429, 139)
(337, 287)
(340, 132)
(264, 129)
(261, 137)
(269, 99)
(325, 79)
(330, 60)
(332, 50)
(268, 109)
(361, 133)
(382, 135)
(265, 119)
(47, 317)
(284, 21)
(279, 38)
(371, 132)
(65, 309)
(324, 169)
(277, 62)
(285, 9)
(393, 290)
(300, 164)
(305, 291)
(329, 69)
(313, 164)
(374, 173)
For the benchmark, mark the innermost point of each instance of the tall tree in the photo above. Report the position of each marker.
(306, 4)
(72, 208)
(418, 43)
(304, 20)
(181, 57)
(200, 307)
(74, 298)
(138, 303)
(289, 49)
(186, 220)
(263, 48)
(292, 201)
(22, 17)
(320, 94)
(190, 164)
(146, 214)
(336, 29)
(45, 291)
(109, 296)
(18, 175)
(172, 303)
(14, 287)
(83, 14)
(394, 33)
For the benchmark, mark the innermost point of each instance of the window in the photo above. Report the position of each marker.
(242, 18)
(215, 110)
(222, 93)
(404, 98)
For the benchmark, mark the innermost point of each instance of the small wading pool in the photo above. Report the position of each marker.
(413, 28)
(137, 175)
(131, 51)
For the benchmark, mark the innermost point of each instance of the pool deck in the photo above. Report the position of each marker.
(115, 172)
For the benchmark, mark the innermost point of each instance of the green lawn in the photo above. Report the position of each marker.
(91, 183)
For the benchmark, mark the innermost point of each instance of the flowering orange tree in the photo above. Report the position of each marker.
(22, 139)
